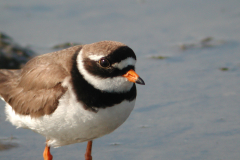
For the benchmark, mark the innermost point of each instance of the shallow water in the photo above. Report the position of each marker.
(189, 107)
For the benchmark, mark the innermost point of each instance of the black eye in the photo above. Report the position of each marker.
(104, 62)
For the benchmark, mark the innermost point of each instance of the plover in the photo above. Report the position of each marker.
(73, 95)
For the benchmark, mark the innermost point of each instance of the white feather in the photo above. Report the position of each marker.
(2, 98)
(124, 63)
(95, 57)
(71, 123)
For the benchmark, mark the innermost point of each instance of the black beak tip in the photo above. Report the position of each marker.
(140, 81)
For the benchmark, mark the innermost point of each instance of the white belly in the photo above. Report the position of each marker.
(71, 123)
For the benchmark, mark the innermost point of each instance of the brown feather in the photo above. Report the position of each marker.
(102, 47)
(35, 90)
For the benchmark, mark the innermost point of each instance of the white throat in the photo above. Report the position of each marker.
(115, 84)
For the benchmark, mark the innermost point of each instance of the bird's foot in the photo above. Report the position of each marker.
(46, 154)
(88, 153)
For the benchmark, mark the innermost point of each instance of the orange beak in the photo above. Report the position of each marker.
(132, 76)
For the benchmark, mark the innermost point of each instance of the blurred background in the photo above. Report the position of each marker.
(188, 55)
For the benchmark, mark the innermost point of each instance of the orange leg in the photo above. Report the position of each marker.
(88, 155)
(46, 154)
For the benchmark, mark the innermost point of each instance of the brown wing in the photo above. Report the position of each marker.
(36, 89)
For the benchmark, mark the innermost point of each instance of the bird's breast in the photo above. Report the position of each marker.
(72, 123)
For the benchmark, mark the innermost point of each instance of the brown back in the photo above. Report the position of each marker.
(36, 88)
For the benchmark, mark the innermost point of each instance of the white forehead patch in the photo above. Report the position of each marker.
(95, 57)
(115, 84)
(124, 63)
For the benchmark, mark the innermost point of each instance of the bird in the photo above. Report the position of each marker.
(73, 95)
